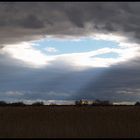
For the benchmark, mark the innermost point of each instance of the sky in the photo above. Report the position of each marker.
(69, 51)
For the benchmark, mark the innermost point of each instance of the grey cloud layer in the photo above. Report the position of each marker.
(118, 83)
(47, 83)
(23, 21)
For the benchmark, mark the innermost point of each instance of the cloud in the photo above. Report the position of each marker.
(47, 83)
(92, 59)
(118, 83)
(14, 93)
(50, 49)
(34, 20)
(26, 53)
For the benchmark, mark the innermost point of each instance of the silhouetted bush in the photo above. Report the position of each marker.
(137, 103)
(38, 104)
(3, 103)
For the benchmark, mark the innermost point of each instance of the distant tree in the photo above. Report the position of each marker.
(81, 102)
(38, 104)
(137, 104)
(77, 103)
(3, 103)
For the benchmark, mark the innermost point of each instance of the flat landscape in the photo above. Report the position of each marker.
(70, 122)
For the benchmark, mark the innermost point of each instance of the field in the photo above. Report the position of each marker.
(70, 122)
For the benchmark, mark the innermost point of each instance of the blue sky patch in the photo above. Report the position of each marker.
(71, 46)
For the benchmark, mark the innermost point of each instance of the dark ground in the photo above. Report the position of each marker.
(70, 122)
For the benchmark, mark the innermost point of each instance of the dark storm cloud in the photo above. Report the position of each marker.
(23, 21)
(32, 22)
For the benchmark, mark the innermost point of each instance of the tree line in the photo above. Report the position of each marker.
(77, 103)
(3, 103)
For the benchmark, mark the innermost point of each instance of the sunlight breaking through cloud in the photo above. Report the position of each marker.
(33, 57)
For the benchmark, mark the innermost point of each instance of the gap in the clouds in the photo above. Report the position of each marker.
(52, 46)
(79, 53)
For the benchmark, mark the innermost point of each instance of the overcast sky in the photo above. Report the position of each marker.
(70, 51)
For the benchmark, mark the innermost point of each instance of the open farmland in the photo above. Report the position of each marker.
(70, 122)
